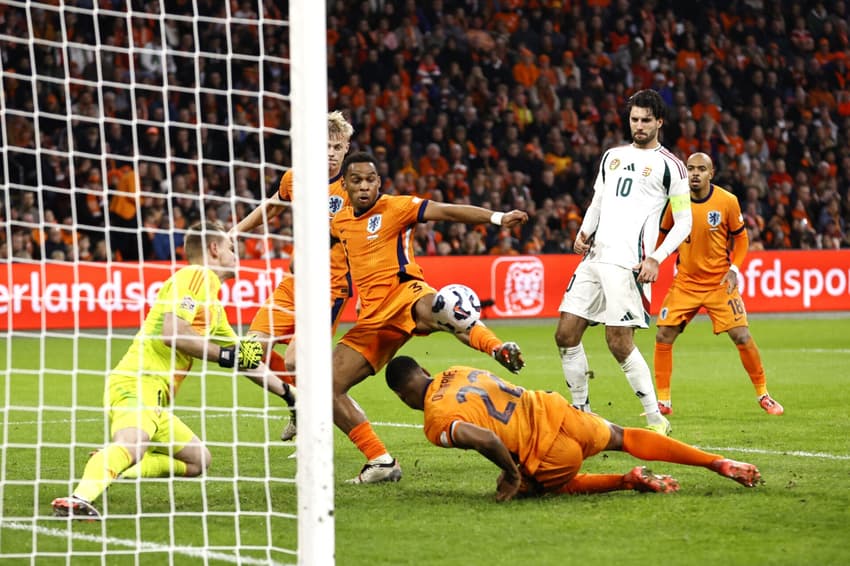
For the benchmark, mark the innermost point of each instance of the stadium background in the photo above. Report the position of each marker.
(497, 103)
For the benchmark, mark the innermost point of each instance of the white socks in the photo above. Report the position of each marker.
(574, 364)
(640, 378)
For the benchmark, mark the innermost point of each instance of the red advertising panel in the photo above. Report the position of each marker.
(56, 296)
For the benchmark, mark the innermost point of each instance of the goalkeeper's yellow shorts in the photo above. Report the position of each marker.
(134, 406)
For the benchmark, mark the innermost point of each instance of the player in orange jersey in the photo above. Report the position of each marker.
(396, 302)
(275, 321)
(537, 438)
(707, 277)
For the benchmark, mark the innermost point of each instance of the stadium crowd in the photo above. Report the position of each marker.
(498, 103)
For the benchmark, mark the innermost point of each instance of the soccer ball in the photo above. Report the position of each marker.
(456, 308)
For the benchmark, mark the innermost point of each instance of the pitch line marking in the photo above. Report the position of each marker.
(194, 552)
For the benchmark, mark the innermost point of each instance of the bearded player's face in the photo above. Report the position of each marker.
(362, 182)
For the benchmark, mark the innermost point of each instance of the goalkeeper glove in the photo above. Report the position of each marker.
(250, 355)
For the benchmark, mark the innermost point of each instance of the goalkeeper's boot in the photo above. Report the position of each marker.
(662, 427)
(75, 508)
(665, 408)
(375, 472)
(641, 479)
(290, 430)
(770, 406)
(510, 356)
(743, 473)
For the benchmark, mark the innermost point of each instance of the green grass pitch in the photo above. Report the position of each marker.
(443, 511)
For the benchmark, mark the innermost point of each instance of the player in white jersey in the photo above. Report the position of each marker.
(611, 284)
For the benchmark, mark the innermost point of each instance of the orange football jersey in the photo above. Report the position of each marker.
(704, 255)
(379, 246)
(527, 422)
(337, 200)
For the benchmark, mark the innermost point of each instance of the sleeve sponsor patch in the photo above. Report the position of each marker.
(188, 304)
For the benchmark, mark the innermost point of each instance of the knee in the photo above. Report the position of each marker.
(566, 338)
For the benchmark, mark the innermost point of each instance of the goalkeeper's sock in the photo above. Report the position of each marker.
(365, 439)
(649, 445)
(639, 377)
(103, 467)
(751, 359)
(155, 465)
(574, 364)
(483, 339)
(278, 366)
(663, 363)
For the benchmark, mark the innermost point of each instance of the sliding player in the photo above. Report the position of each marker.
(186, 322)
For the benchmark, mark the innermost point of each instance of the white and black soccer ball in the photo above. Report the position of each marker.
(456, 308)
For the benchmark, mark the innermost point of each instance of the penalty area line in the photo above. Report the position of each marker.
(194, 552)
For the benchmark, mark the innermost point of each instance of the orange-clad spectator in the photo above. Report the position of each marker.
(428, 70)
(558, 158)
(569, 116)
(823, 55)
(705, 105)
(688, 142)
(505, 244)
(689, 56)
(780, 175)
(525, 71)
(354, 91)
(432, 163)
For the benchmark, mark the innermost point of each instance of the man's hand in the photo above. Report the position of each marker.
(647, 270)
(730, 280)
(582, 244)
(507, 486)
(250, 355)
(514, 218)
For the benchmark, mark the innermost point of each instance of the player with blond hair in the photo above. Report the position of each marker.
(275, 321)
(707, 277)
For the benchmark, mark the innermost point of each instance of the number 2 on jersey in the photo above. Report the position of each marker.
(502, 416)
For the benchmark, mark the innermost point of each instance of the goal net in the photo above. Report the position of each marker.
(122, 123)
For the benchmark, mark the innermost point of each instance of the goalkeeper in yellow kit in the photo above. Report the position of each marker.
(187, 321)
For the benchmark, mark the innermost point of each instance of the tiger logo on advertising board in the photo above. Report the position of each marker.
(517, 286)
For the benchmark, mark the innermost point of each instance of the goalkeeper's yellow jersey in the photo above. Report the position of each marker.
(191, 294)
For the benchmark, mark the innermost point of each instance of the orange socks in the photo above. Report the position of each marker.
(663, 370)
(365, 439)
(483, 339)
(593, 483)
(278, 366)
(751, 359)
(648, 445)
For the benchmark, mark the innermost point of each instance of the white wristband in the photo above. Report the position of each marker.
(496, 218)
(734, 268)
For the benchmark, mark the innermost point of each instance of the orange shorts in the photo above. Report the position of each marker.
(581, 436)
(681, 304)
(388, 327)
(277, 315)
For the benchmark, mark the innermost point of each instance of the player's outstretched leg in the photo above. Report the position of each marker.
(743, 473)
(375, 471)
(770, 405)
(290, 429)
(75, 508)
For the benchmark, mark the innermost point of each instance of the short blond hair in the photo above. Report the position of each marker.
(198, 238)
(338, 126)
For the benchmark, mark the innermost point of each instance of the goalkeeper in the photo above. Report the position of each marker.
(187, 321)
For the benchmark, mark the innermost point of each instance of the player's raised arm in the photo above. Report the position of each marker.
(269, 208)
(440, 211)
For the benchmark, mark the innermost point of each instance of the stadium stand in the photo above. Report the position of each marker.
(501, 103)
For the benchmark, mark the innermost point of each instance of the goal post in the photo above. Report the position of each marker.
(122, 123)
(313, 353)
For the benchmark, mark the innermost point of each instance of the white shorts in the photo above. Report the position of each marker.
(607, 294)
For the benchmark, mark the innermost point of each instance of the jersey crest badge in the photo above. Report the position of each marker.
(373, 224)
(334, 204)
(614, 164)
(713, 218)
(647, 171)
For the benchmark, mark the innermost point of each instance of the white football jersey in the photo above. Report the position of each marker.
(631, 190)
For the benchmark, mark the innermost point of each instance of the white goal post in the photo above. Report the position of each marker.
(121, 122)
